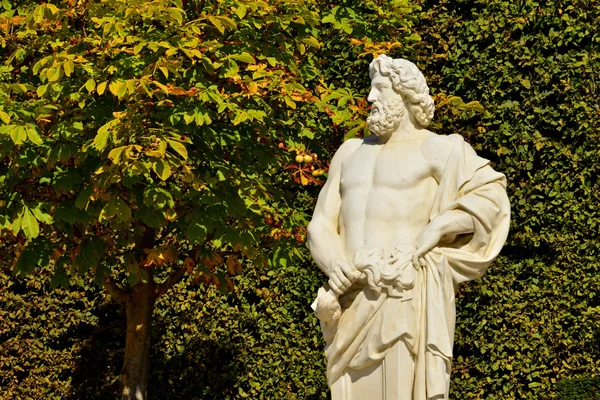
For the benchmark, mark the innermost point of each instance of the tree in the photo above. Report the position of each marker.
(138, 143)
(145, 140)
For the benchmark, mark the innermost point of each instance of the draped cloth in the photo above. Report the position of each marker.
(372, 321)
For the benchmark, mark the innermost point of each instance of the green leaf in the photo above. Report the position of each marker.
(133, 279)
(42, 217)
(101, 139)
(162, 169)
(90, 255)
(29, 224)
(196, 232)
(15, 226)
(312, 41)
(123, 211)
(144, 276)
(329, 19)
(100, 274)
(60, 277)
(179, 148)
(27, 262)
(83, 197)
(244, 57)
(290, 102)
(33, 135)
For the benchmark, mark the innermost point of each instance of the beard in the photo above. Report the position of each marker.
(385, 117)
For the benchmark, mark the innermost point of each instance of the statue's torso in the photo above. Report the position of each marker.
(387, 194)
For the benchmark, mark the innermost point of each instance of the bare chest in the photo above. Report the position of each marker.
(381, 167)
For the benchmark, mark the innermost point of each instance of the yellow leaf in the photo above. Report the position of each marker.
(90, 85)
(118, 88)
(69, 67)
(179, 148)
(115, 154)
(4, 117)
(217, 24)
(502, 150)
(101, 87)
(41, 90)
(53, 74)
(241, 11)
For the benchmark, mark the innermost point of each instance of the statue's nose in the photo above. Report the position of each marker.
(372, 98)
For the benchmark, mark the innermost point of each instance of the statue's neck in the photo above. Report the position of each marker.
(408, 129)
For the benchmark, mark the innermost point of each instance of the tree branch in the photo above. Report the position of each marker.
(114, 290)
(175, 276)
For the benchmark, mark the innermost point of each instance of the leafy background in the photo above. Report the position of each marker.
(530, 323)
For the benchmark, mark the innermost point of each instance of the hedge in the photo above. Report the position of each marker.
(579, 389)
(533, 319)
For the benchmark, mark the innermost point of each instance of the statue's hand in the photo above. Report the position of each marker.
(427, 240)
(341, 276)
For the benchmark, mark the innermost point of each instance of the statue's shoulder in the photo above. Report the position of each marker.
(438, 148)
(347, 148)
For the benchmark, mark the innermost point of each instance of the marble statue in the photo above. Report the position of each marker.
(404, 217)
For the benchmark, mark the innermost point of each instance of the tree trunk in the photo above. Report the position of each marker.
(139, 306)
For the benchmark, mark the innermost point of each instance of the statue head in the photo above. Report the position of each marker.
(397, 84)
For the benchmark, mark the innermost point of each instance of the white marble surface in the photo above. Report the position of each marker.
(405, 216)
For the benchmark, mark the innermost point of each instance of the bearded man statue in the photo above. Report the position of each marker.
(404, 217)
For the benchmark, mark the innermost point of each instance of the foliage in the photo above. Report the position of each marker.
(135, 138)
(260, 340)
(44, 335)
(579, 389)
(141, 140)
(529, 324)
(533, 319)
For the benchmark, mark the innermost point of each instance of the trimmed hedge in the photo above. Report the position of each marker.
(533, 319)
(260, 342)
(579, 389)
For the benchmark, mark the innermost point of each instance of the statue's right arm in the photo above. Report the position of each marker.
(324, 240)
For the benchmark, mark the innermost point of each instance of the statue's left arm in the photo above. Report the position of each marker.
(471, 211)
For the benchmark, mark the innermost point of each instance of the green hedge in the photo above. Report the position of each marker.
(579, 389)
(533, 319)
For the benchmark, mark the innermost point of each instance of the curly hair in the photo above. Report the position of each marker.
(407, 81)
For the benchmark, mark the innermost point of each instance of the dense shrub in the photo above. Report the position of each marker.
(533, 319)
(579, 389)
(258, 342)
